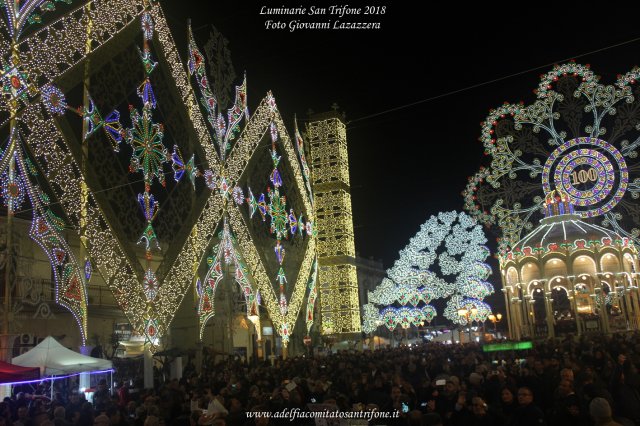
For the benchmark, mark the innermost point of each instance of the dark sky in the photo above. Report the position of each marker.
(454, 65)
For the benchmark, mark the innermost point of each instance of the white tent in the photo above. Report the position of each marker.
(53, 359)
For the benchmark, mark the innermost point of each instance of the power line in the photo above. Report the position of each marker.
(495, 80)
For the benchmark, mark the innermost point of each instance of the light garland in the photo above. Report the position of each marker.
(394, 317)
(313, 294)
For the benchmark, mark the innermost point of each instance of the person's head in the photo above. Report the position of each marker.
(152, 421)
(452, 385)
(395, 393)
(565, 388)
(102, 420)
(59, 413)
(475, 379)
(566, 374)
(525, 396)
(600, 410)
(23, 412)
(506, 396)
(538, 366)
(478, 406)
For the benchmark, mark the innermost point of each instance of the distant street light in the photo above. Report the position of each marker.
(495, 319)
(467, 313)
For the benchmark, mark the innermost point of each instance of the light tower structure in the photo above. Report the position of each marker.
(338, 280)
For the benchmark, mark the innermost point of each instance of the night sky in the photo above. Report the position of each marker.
(414, 92)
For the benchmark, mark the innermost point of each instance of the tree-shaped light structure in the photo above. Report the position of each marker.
(445, 259)
(579, 136)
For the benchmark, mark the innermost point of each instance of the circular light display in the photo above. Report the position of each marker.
(591, 171)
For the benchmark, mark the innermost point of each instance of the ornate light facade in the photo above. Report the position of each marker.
(337, 277)
(570, 276)
(93, 203)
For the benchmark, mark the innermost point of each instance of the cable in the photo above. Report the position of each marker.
(474, 86)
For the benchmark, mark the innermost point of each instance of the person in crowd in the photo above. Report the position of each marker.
(101, 396)
(559, 381)
(600, 412)
(527, 413)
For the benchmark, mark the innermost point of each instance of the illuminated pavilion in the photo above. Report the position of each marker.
(570, 276)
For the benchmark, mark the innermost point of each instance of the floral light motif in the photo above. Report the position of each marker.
(148, 151)
(210, 179)
(150, 285)
(579, 136)
(88, 269)
(238, 195)
(114, 129)
(92, 118)
(16, 85)
(13, 191)
(53, 99)
(181, 168)
(147, 26)
(224, 132)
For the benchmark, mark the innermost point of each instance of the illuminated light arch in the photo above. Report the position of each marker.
(225, 252)
(557, 281)
(609, 262)
(555, 264)
(512, 276)
(629, 263)
(583, 263)
(48, 54)
(530, 271)
(534, 285)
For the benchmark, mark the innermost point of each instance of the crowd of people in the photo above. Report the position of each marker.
(586, 380)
